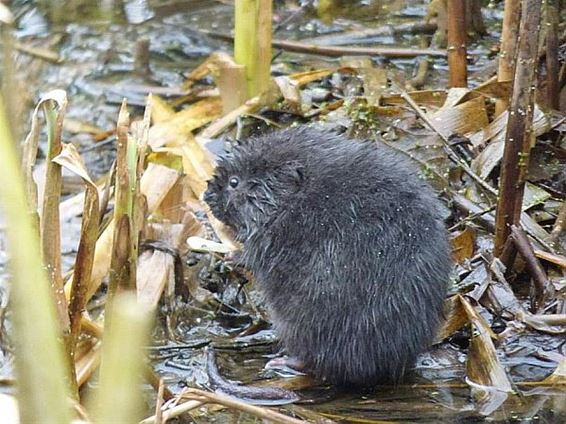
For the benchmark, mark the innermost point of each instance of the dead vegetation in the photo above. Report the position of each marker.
(495, 152)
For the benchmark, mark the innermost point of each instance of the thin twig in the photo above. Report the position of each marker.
(174, 411)
(551, 257)
(260, 412)
(299, 47)
(41, 53)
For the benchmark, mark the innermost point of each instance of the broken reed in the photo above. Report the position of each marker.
(252, 42)
(457, 65)
(519, 133)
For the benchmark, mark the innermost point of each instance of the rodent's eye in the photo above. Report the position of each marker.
(233, 182)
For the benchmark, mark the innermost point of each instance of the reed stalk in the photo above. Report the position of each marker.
(519, 135)
(40, 359)
(507, 51)
(119, 396)
(457, 65)
(252, 42)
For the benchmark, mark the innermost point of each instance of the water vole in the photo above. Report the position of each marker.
(347, 245)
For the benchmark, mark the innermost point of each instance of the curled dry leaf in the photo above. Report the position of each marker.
(31, 143)
(485, 374)
(81, 279)
(551, 324)
(290, 91)
(461, 118)
(558, 377)
(455, 318)
(71, 159)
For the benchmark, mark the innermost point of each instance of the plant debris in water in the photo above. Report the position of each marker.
(501, 351)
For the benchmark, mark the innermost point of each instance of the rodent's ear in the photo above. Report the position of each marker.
(300, 175)
(296, 172)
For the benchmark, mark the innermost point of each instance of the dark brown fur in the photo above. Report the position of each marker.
(347, 245)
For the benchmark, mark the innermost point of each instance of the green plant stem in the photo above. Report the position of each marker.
(42, 389)
(119, 397)
(252, 42)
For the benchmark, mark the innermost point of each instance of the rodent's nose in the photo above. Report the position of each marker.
(208, 196)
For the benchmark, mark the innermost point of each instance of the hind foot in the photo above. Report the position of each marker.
(286, 364)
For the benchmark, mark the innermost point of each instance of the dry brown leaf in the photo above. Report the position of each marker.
(463, 244)
(558, 377)
(198, 244)
(544, 323)
(198, 165)
(374, 79)
(494, 133)
(485, 374)
(210, 66)
(455, 316)
(454, 97)
(534, 195)
(72, 160)
(552, 258)
(31, 143)
(156, 267)
(81, 279)
(304, 78)
(174, 131)
(434, 98)
(217, 127)
(88, 363)
(153, 273)
(290, 91)
(461, 118)
(160, 110)
(156, 182)
(494, 89)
